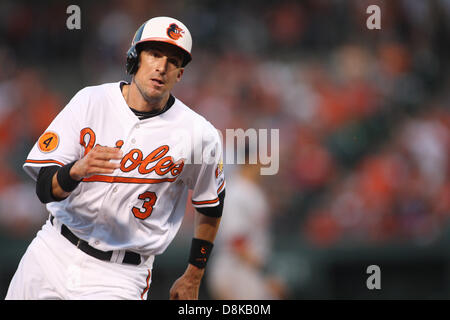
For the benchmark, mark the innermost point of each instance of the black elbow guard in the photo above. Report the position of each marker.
(44, 184)
(214, 212)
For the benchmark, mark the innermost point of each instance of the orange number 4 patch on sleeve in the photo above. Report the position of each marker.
(48, 141)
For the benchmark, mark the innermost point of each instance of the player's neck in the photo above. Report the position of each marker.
(136, 100)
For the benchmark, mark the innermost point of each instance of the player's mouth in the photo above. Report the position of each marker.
(157, 82)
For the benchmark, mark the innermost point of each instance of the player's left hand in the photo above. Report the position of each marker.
(187, 286)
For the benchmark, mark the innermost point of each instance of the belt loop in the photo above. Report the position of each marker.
(114, 256)
(118, 256)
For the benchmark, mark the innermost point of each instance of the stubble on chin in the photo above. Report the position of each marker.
(150, 98)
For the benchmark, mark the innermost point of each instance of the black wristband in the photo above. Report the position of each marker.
(200, 251)
(65, 180)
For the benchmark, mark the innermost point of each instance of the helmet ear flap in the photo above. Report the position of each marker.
(132, 60)
(132, 54)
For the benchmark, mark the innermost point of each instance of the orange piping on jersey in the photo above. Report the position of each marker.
(147, 286)
(205, 202)
(45, 162)
(112, 179)
(221, 187)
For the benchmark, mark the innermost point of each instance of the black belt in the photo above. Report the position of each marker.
(129, 257)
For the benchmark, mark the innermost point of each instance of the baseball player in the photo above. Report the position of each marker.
(236, 270)
(115, 178)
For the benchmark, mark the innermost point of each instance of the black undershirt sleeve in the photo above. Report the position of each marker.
(44, 184)
(214, 212)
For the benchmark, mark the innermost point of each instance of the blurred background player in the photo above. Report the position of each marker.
(238, 266)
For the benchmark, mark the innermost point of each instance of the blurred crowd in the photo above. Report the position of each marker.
(363, 114)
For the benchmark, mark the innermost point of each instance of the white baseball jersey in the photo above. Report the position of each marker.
(141, 205)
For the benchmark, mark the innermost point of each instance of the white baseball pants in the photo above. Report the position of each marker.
(54, 268)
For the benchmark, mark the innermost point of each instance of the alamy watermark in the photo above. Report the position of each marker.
(74, 20)
(251, 146)
(374, 280)
(374, 20)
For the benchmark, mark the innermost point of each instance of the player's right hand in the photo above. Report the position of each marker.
(96, 161)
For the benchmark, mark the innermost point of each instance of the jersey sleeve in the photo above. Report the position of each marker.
(59, 144)
(209, 180)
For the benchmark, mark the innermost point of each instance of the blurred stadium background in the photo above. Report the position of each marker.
(363, 116)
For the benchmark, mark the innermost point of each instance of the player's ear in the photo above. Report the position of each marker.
(180, 74)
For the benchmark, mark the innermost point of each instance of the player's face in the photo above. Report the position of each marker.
(159, 70)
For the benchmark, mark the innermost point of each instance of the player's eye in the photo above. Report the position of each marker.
(155, 54)
(175, 62)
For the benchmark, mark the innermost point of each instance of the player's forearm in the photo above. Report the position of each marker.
(206, 227)
(188, 285)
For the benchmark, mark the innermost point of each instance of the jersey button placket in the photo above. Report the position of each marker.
(136, 126)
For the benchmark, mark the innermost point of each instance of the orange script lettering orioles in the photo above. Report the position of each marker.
(135, 159)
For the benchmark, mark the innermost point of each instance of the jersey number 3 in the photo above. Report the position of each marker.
(147, 207)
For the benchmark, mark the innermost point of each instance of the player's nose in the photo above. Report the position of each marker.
(161, 65)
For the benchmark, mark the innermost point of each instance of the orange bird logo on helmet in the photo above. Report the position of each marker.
(174, 32)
